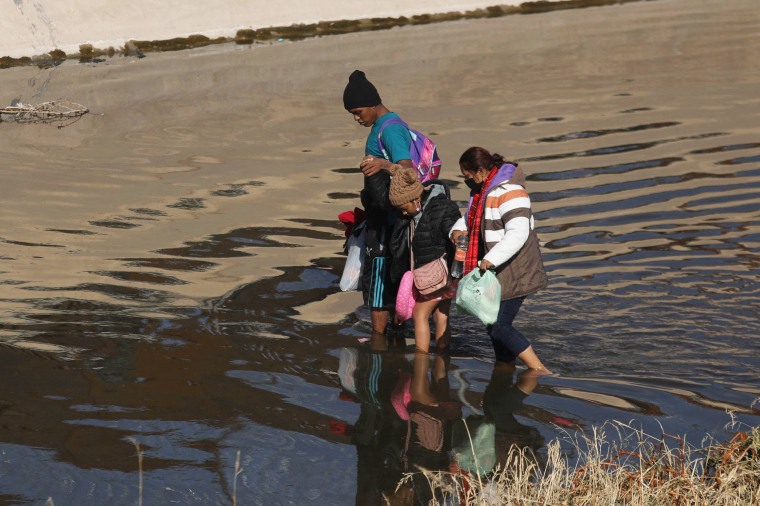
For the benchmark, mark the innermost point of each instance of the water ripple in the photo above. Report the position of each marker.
(587, 134)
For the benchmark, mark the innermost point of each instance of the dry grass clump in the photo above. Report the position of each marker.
(630, 468)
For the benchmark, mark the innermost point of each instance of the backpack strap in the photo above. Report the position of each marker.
(411, 240)
(388, 122)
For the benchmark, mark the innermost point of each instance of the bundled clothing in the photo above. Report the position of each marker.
(378, 287)
(352, 219)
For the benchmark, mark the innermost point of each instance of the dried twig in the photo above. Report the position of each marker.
(46, 112)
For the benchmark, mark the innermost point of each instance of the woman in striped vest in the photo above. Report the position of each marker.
(499, 223)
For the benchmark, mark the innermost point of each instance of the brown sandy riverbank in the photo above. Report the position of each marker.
(266, 125)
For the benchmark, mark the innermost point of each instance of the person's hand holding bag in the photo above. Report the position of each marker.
(479, 294)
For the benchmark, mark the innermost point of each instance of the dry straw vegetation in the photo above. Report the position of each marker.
(615, 464)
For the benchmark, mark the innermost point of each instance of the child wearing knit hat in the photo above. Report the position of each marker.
(405, 187)
(428, 213)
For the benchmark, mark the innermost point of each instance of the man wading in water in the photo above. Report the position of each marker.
(362, 101)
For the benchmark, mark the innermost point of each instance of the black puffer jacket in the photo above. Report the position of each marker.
(380, 214)
(431, 232)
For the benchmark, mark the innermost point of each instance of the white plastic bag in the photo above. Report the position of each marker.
(347, 367)
(352, 272)
(479, 295)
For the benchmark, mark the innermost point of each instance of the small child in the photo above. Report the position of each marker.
(429, 211)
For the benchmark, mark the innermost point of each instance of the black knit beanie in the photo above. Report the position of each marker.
(360, 92)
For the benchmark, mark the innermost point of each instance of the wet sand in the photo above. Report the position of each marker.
(180, 146)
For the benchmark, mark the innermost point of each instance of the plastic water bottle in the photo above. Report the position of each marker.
(457, 266)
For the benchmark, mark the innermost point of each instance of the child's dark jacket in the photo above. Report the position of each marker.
(431, 232)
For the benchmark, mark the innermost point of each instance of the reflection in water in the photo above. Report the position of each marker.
(411, 420)
(430, 414)
(405, 422)
(493, 433)
(373, 377)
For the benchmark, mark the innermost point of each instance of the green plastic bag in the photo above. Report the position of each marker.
(479, 294)
(474, 433)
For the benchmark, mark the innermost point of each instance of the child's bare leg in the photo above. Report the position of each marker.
(440, 386)
(442, 330)
(421, 316)
(420, 386)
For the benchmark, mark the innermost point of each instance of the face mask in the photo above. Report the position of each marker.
(472, 185)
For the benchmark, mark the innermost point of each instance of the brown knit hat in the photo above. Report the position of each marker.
(405, 186)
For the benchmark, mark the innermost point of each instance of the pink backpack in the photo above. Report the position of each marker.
(423, 151)
(406, 297)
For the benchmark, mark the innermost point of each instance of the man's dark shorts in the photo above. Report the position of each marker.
(377, 289)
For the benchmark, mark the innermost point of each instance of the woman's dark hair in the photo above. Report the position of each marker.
(476, 157)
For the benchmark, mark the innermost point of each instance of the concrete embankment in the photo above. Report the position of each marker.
(29, 29)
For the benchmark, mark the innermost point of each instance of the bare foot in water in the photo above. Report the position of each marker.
(442, 344)
(536, 371)
(532, 362)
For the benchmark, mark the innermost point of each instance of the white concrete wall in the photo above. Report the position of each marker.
(32, 27)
